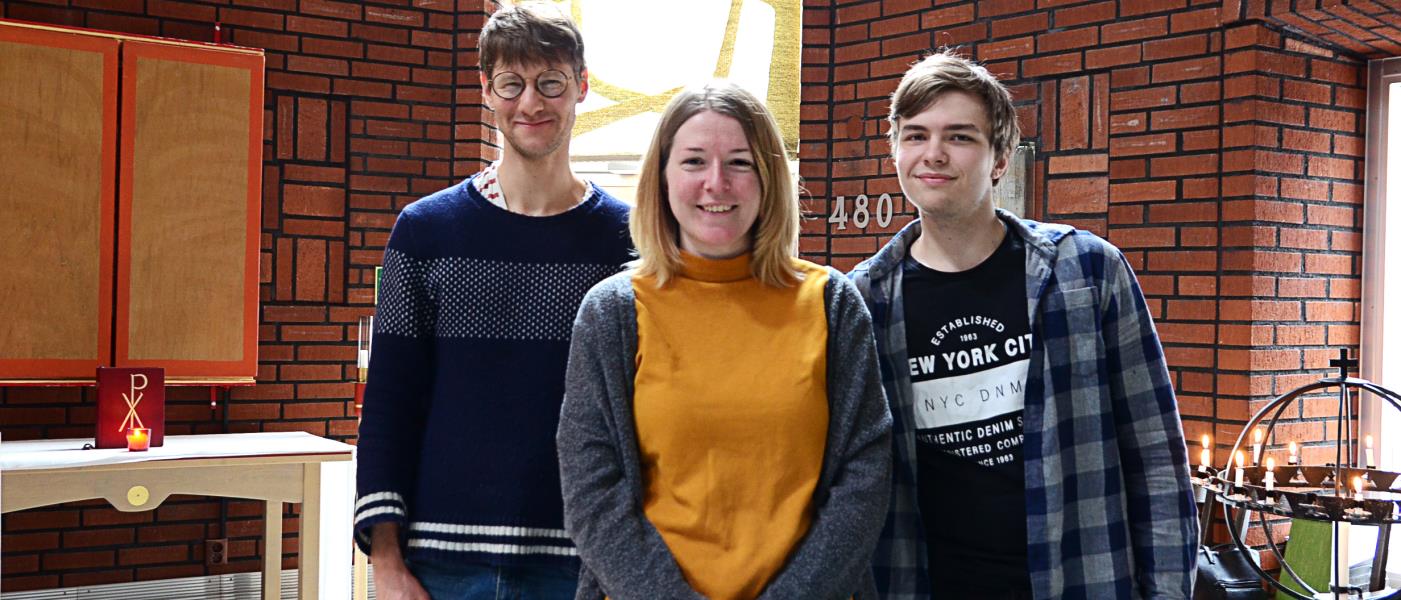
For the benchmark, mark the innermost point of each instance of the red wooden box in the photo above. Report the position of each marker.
(127, 398)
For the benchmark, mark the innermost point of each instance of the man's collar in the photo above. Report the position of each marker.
(1040, 237)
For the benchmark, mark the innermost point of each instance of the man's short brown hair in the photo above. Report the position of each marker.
(530, 34)
(943, 72)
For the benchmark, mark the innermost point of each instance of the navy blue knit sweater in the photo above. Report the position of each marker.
(457, 440)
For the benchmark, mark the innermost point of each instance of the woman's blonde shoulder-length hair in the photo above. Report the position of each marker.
(655, 230)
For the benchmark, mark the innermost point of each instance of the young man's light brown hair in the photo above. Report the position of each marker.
(943, 72)
(531, 33)
(774, 236)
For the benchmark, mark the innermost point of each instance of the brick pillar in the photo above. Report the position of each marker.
(1292, 225)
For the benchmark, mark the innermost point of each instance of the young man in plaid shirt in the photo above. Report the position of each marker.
(1038, 449)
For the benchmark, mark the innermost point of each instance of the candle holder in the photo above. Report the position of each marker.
(365, 342)
(1322, 493)
(138, 439)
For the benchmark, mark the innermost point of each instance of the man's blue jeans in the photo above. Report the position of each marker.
(482, 582)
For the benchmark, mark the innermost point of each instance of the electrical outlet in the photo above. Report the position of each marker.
(216, 552)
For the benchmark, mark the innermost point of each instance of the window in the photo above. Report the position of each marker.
(1381, 274)
(755, 43)
(1381, 294)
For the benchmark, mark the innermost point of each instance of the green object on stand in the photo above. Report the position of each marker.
(1310, 554)
(377, 272)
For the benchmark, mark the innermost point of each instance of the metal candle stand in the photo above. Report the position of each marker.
(1313, 492)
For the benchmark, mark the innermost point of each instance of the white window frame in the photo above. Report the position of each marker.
(1381, 298)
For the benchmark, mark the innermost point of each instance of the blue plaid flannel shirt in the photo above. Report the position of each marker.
(1110, 512)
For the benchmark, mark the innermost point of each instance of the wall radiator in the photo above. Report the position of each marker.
(232, 586)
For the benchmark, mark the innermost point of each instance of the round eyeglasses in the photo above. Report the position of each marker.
(550, 83)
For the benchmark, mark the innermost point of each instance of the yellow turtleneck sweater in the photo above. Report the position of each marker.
(731, 414)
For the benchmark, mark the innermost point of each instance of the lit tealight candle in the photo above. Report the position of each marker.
(1367, 453)
(1240, 468)
(1293, 453)
(1258, 437)
(1270, 474)
(138, 439)
(1357, 486)
(1206, 454)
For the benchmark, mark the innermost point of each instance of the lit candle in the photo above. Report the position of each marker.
(1357, 486)
(1293, 453)
(1206, 454)
(362, 361)
(1240, 468)
(138, 439)
(1259, 437)
(1367, 453)
(1270, 474)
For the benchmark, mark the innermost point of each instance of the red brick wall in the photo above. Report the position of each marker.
(1291, 233)
(1223, 156)
(362, 117)
(1292, 213)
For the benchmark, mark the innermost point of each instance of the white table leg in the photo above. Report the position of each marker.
(2, 516)
(272, 550)
(337, 527)
(361, 583)
(309, 536)
(362, 576)
(324, 555)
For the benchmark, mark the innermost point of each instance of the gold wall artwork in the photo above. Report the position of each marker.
(640, 53)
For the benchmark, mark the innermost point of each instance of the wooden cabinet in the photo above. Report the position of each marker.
(131, 206)
(188, 210)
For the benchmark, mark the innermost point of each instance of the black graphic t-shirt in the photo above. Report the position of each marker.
(969, 345)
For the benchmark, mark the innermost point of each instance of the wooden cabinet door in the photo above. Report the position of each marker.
(58, 115)
(188, 210)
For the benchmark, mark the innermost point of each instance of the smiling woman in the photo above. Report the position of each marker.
(713, 189)
(723, 429)
(716, 147)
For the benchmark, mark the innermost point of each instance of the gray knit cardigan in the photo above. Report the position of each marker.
(601, 475)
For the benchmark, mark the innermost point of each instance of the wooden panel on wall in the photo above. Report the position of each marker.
(187, 270)
(58, 115)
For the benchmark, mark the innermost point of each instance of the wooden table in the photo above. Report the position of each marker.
(277, 467)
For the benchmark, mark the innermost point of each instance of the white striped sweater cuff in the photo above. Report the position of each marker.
(490, 539)
(379, 503)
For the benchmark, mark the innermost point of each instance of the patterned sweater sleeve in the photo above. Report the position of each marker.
(1161, 510)
(834, 559)
(396, 395)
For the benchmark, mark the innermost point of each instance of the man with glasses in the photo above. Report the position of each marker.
(458, 479)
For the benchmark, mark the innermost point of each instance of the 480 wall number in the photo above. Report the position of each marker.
(861, 212)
